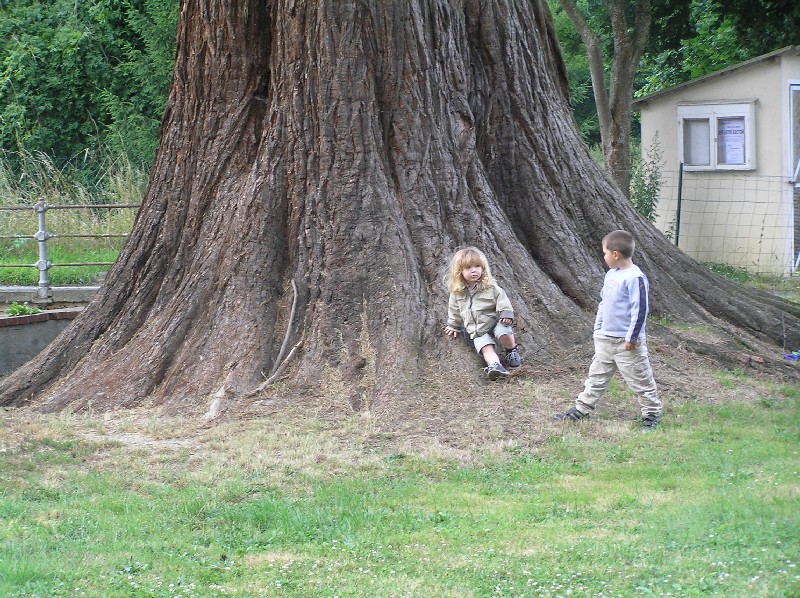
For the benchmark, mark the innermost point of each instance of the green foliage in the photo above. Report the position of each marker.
(714, 46)
(72, 74)
(21, 309)
(672, 229)
(693, 39)
(777, 23)
(36, 178)
(580, 79)
(731, 272)
(48, 72)
(596, 152)
(646, 179)
(136, 110)
(26, 178)
(54, 59)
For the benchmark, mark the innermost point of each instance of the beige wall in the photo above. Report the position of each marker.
(741, 218)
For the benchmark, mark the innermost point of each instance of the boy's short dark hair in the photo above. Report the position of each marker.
(622, 241)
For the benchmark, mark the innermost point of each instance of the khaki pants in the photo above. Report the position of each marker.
(609, 356)
(488, 339)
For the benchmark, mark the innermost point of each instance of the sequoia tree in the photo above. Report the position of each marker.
(319, 163)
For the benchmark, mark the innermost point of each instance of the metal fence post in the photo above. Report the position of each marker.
(44, 293)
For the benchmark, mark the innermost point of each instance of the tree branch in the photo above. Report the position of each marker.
(596, 67)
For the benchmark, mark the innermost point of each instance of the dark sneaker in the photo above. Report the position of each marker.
(649, 421)
(571, 415)
(513, 358)
(496, 371)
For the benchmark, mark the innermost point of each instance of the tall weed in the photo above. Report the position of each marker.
(646, 180)
(27, 178)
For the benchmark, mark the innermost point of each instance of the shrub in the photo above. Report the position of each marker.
(646, 180)
(16, 309)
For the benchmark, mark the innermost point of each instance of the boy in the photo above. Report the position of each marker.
(619, 338)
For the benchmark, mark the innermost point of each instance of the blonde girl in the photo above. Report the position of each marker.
(479, 308)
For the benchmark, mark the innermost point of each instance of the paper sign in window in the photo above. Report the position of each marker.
(730, 140)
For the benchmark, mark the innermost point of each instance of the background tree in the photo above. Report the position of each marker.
(134, 103)
(319, 163)
(697, 38)
(580, 78)
(630, 28)
(687, 40)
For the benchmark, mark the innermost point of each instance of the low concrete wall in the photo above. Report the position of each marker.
(60, 294)
(22, 337)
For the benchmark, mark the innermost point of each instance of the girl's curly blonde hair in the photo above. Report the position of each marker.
(464, 258)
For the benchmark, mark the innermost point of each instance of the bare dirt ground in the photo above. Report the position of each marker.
(318, 427)
(518, 412)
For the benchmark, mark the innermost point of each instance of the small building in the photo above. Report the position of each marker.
(729, 145)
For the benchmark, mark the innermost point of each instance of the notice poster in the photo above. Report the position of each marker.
(730, 140)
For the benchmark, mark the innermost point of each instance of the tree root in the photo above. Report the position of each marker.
(215, 406)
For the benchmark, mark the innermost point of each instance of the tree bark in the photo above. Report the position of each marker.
(323, 160)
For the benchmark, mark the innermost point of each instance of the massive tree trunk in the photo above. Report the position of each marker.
(345, 149)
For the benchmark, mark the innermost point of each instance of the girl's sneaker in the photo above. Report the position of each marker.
(513, 358)
(496, 371)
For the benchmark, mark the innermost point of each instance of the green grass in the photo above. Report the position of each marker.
(58, 275)
(730, 378)
(40, 179)
(705, 506)
(783, 285)
(62, 250)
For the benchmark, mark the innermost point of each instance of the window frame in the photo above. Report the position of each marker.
(794, 132)
(714, 112)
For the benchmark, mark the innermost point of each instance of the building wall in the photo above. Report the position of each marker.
(740, 218)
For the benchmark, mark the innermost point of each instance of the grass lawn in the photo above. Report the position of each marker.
(132, 504)
(59, 275)
(61, 249)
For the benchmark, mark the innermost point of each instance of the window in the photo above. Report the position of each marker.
(717, 136)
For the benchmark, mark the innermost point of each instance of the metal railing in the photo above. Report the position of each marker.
(44, 293)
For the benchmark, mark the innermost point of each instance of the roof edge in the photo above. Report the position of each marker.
(785, 51)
